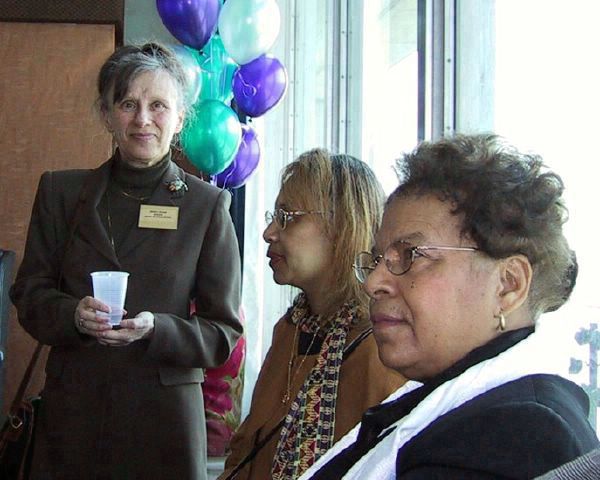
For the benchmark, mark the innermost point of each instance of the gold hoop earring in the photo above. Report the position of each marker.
(501, 322)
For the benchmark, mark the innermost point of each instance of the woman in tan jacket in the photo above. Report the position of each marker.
(323, 369)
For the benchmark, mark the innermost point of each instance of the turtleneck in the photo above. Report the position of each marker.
(138, 181)
(128, 188)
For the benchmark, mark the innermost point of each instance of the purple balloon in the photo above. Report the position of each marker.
(259, 85)
(192, 22)
(244, 162)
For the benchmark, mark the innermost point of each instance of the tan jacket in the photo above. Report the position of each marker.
(364, 382)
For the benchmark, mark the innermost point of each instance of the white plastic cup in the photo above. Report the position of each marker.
(110, 288)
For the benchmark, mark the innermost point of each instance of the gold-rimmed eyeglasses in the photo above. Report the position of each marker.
(398, 258)
(282, 217)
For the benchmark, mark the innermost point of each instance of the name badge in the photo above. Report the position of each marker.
(158, 216)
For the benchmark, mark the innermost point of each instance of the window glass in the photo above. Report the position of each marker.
(312, 56)
(298, 123)
(388, 75)
(547, 100)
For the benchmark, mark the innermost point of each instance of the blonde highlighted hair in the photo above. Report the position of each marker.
(351, 197)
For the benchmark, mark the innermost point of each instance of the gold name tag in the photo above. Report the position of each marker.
(158, 216)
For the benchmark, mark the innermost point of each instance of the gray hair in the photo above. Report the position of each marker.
(128, 62)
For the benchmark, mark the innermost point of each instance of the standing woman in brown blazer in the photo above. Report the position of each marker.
(322, 370)
(127, 403)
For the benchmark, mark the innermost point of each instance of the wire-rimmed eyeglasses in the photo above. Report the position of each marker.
(282, 217)
(398, 258)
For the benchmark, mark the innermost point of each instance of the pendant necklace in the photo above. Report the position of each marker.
(129, 195)
(290, 378)
(109, 221)
(108, 216)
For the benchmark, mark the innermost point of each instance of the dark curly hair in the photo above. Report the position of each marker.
(129, 61)
(511, 204)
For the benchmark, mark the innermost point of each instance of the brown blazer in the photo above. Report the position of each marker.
(364, 382)
(136, 411)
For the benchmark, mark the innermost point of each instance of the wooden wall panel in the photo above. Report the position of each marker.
(47, 122)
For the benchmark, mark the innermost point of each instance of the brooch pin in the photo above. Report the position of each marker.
(177, 187)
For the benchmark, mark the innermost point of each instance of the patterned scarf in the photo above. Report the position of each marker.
(309, 426)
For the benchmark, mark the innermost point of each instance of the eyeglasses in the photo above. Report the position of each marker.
(398, 258)
(282, 217)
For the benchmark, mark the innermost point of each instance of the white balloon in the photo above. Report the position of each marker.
(248, 28)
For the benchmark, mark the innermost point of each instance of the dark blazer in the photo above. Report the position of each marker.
(586, 467)
(518, 430)
(136, 411)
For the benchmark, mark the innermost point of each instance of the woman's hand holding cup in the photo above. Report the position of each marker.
(87, 320)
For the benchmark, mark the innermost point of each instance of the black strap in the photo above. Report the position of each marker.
(259, 446)
(356, 342)
(14, 409)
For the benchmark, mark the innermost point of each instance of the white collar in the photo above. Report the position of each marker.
(528, 357)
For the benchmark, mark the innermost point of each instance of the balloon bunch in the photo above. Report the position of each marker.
(224, 53)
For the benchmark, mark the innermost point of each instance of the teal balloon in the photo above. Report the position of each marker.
(217, 70)
(190, 61)
(249, 28)
(219, 85)
(213, 55)
(211, 136)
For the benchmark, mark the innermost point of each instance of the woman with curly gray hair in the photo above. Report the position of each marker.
(470, 252)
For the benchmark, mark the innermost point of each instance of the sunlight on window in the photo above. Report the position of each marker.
(547, 101)
(390, 85)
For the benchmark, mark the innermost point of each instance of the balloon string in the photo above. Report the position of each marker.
(222, 84)
(230, 174)
(248, 89)
(214, 88)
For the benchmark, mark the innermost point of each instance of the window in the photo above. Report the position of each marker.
(543, 81)
(307, 49)
(383, 98)
(373, 77)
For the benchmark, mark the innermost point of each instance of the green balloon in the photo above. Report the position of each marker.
(211, 136)
(213, 56)
(218, 85)
(217, 69)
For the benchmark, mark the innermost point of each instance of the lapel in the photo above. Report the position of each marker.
(161, 196)
(86, 216)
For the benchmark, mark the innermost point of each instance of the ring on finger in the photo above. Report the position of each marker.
(81, 322)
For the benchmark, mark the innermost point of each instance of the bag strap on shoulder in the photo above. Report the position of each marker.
(348, 349)
(14, 409)
(25, 381)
